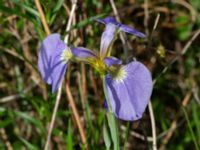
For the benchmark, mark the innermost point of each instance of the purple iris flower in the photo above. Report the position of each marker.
(129, 87)
(112, 27)
(53, 57)
(129, 90)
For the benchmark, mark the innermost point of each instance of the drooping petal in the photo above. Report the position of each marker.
(82, 52)
(125, 28)
(131, 30)
(50, 64)
(109, 61)
(130, 91)
(108, 20)
(107, 38)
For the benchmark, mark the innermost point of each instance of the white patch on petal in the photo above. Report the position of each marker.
(120, 75)
(66, 55)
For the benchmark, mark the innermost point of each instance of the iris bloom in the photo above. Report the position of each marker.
(128, 87)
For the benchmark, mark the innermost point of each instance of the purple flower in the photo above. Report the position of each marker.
(108, 36)
(53, 58)
(51, 62)
(128, 87)
(109, 61)
(129, 90)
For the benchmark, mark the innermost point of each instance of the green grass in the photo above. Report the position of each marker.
(24, 119)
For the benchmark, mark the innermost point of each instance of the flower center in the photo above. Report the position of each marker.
(120, 74)
(66, 55)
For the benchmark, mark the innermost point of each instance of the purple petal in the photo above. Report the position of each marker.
(107, 20)
(82, 52)
(131, 30)
(125, 28)
(107, 38)
(105, 105)
(130, 94)
(109, 61)
(50, 65)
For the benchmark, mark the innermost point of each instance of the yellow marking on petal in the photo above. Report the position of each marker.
(66, 55)
(120, 75)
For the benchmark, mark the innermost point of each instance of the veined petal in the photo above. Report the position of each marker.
(82, 52)
(50, 62)
(131, 30)
(58, 71)
(107, 38)
(130, 92)
(109, 61)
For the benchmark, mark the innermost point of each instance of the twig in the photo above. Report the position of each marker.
(153, 126)
(195, 93)
(146, 17)
(190, 42)
(60, 87)
(53, 118)
(42, 17)
(5, 139)
(12, 52)
(185, 49)
(16, 96)
(76, 116)
(137, 135)
(121, 33)
(174, 123)
(152, 118)
(70, 21)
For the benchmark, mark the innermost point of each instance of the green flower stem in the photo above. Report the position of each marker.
(111, 120)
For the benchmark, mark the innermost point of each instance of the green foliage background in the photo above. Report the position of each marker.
(26, 103)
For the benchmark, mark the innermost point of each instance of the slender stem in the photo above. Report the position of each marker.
(153, 126)
(42, 17)
(70, 21)
(76, 116)
(122, 36)
(174, 123)
(190, 129)
(53, 118)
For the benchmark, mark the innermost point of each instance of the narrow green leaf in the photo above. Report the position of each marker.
(28, 118)
(28, 144)
(196, 116)
(106, 136)
(190, 129)
(58, 5)
(113, 129)
(26, 7)
(69, 137)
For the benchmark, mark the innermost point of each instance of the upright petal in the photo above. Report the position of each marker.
(107, 38)
(50, 64)
(129, 92)
(82, 52)
(131, 30)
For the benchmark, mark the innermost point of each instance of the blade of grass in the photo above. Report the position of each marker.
(190, 129)
(69, 136)
(106, 136)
